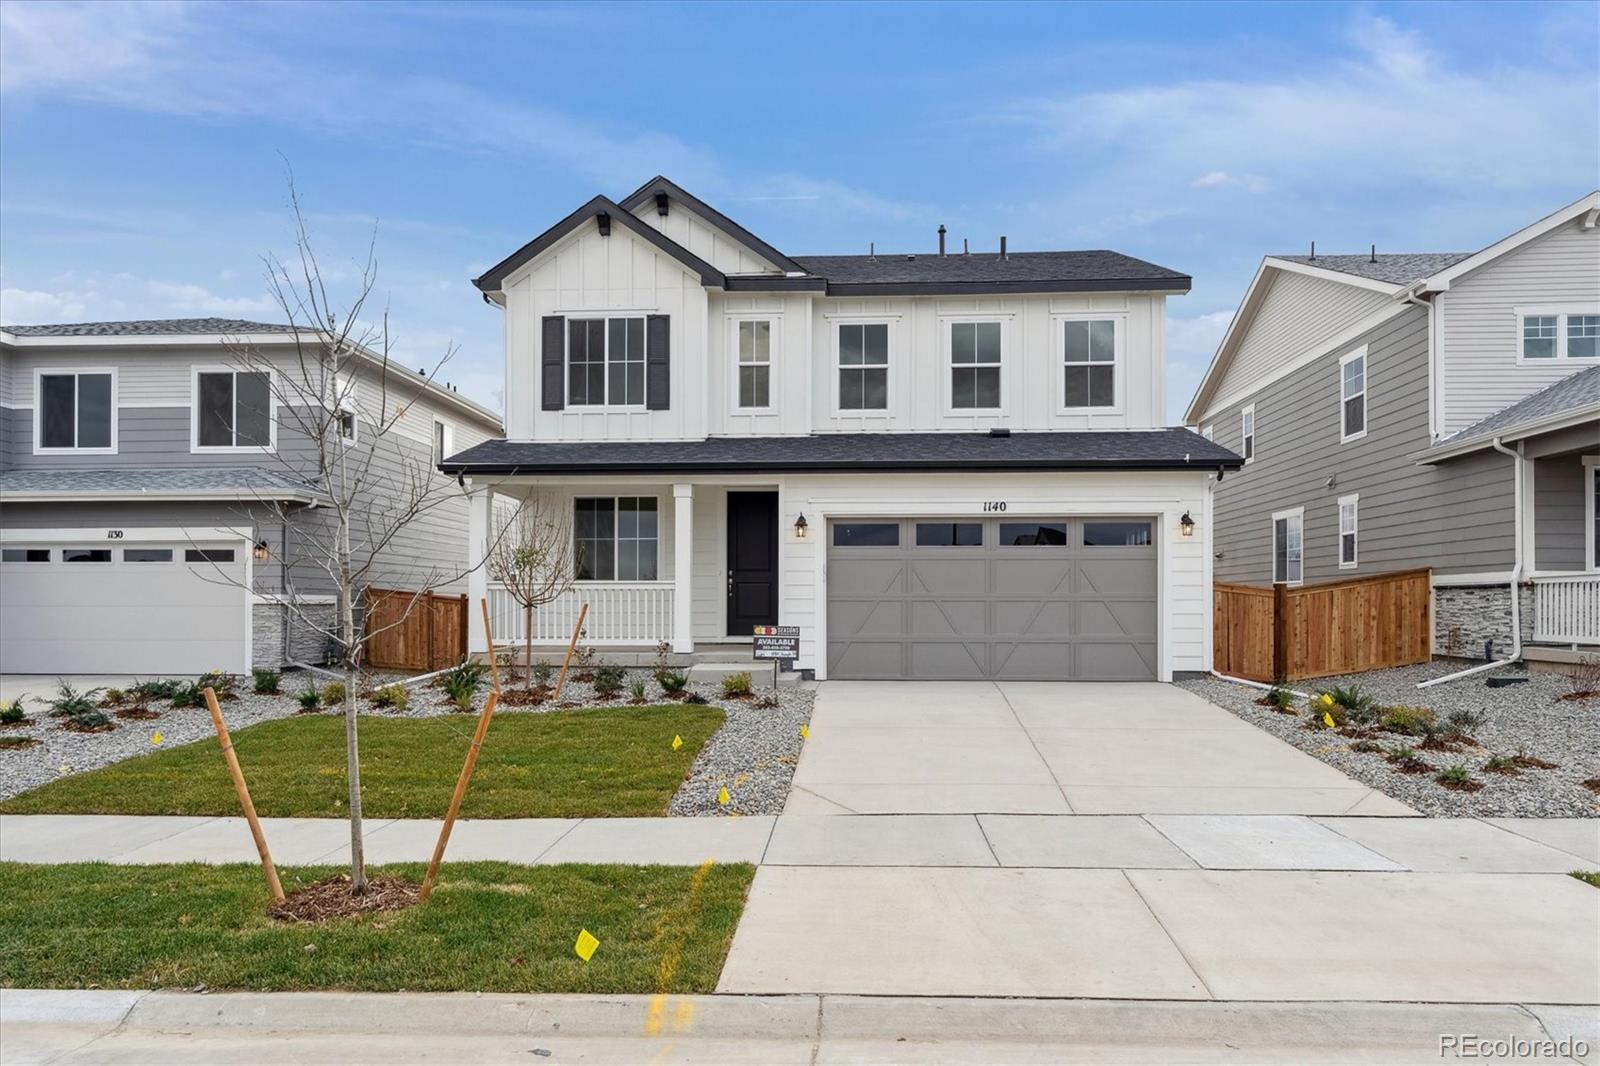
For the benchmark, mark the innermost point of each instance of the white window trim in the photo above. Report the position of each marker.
(614, 497)
(1366, 403)
(1208, 431)
(774, 332)
(38, 409)
(947, 335)
(196, 447)
(445, 440)
(1353, 502)
(892, 322)
(1248, 412)
(344, 403)
(566, 362)
(1119, 362)
(1298, 514)
(1561, 313)
(1591, 469)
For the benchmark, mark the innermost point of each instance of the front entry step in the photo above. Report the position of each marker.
(760, 673)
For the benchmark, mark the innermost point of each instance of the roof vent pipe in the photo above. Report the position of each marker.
(1002, 246)
(964, 250)
(872, 251)
(1313, 250)
(1373, 256)
(941, 240)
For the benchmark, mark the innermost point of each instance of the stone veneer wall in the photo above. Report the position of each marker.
(1464, 616)
(306, 644)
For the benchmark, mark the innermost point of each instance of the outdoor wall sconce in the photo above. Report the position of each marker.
(800, 528)
(261, 551)
(1186, 525)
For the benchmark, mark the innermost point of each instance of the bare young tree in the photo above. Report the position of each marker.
(533, 559)
(331, 404)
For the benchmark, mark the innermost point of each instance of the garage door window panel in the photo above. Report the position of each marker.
(147, 555)
(76, 410)
(1090, 364)
(949, 534)
(1033, 534)
(866, 534)
(25, 555)
(1116, 534)
(208, 555)
(86, 555)
(233, 411)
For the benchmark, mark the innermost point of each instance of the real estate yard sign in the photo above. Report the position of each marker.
(781, 644)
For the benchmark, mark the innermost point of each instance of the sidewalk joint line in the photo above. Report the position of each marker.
(1184, 955)
(1034, 744)
(1532, 840)
(577, 822)
(985, 834)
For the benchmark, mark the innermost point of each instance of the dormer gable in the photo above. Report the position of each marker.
(705, 231)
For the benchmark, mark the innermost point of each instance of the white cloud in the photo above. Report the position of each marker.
(1191, 342)
(29, 307)
(1220, 179)
(93, 297)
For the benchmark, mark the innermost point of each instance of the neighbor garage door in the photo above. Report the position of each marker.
(172, 607)
(1005, 598)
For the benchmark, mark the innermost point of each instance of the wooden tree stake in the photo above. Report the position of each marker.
(577, 631)
(244, 795)
(461, 791)
(488, 633)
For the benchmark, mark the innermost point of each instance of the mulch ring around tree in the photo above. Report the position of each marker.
(331, 898)
(525, 697)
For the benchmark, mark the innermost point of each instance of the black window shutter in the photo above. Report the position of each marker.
(657, 363)
(553, 363)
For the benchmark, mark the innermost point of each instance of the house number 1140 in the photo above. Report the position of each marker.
(994, 505)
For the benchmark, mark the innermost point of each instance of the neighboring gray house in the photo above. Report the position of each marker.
(1437, 410)
(151, 492)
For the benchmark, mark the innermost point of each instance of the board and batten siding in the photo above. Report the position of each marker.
(1455, 517)
(705, 240)
(1479, 333)
(1296, 313)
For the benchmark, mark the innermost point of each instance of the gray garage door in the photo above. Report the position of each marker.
(1005, 598)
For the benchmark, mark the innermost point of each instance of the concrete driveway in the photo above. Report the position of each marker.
(977, 747)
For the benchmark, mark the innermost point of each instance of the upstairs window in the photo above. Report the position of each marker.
(1247, 433)
(1555, 335)
(1353, 395)
(75, 410)
(233, 409)
(1347, 532)
(1090, 356)
(616, 538)
(863, 366)
(755, 365)
(975, 366)
(605, 362)
(1287, 559)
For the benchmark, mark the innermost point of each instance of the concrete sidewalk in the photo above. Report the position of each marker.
(173, 1027)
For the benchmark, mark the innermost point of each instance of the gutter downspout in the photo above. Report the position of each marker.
(1516, 577)
(1435, 387)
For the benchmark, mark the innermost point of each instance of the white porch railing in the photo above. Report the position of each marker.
(620, 612)
(1566, 610)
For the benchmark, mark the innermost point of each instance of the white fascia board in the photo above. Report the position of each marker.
(129, 534)
(128, 496)
(1245, 309)
(1564, 420)
(1355, 280)
(1440, 282)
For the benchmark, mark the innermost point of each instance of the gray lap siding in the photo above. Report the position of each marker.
(1455, 517)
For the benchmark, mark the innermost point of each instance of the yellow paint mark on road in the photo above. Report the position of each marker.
(683, 1017)
(652, 1017)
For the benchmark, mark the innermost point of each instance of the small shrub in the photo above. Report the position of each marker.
(1367, 747)
(226, 686)
(637, 692)
(1351, 698)
(310, 699)
(738, 686)
(393, 697)
(1505, 765)
(89, 721)
(1527, 761)
(17, 743)
(694, 698)
(1280, 699)
(1323, 708)
(114, 697)
(1463, 721)
(672, 682)
(584, 661)
(1407, 721)
(1583, 679)
(1406, 760)
(69, 701)
(1458, 778)
(608, 679)
(266, 681)
(334, 692)
(543, 672)
(188, 694)
(12, 713)
(765, 703)
(156, 689)
(461, 683)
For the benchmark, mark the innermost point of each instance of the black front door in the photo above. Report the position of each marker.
(752, 561)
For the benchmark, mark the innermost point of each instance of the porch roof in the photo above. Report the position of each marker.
(1158, 449)
(1574, 400)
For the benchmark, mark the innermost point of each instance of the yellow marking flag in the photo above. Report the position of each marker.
(156, 738)
(805, 732)
(722, 795)
(1328, 719)
(677, 742)
(586, 945)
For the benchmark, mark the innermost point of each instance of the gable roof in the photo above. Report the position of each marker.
(1575, 398)
(647, 192)
(201, 483)
(1394, 268)
(149, 327)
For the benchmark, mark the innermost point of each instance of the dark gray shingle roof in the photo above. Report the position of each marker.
(232, 483)
(1397, 268)
(1569, 395)
(149, 327)
(1098, 267)
(1159, 449)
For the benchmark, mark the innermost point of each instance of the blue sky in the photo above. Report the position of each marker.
(143, 147)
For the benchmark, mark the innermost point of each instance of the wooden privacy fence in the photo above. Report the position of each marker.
(1341, 627)
(415, 631)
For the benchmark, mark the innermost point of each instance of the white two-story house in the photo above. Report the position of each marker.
(934, 465)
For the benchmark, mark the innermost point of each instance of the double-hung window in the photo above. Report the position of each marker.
(975, 366)
(75, 410)
(863, 366)
(1353, 395)
(605, 362)
(1247, 433)
(616, 538)
(1347, 532)
(1549, 335)
(1090, 363)
(1287, 547)
(754, 386)
(233, 409)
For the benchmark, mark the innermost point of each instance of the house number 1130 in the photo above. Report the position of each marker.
(994, 505)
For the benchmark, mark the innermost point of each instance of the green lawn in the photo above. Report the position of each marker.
(488, 927)
(611, 762)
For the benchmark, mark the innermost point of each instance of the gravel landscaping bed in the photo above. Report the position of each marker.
(1528, 718)
(753, 755)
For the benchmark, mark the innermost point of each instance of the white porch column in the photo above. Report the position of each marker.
(480, 513)
(682, 567)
